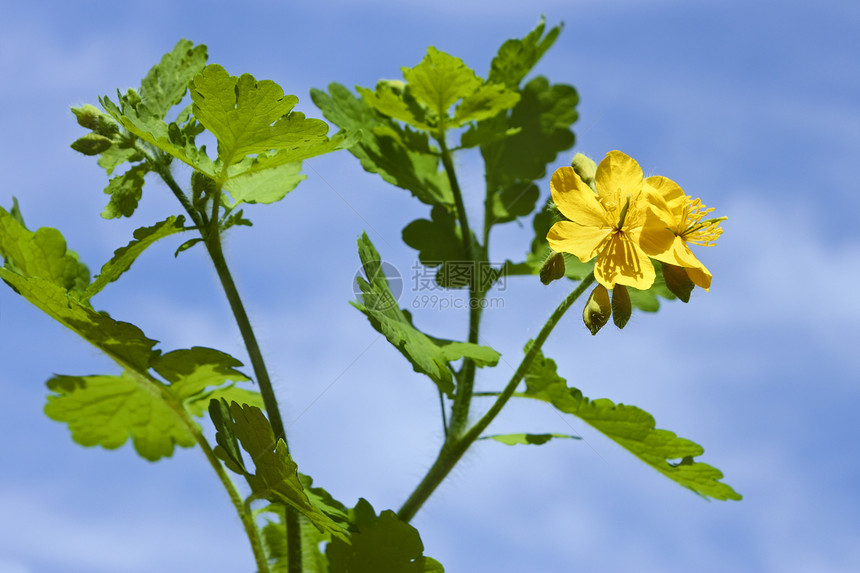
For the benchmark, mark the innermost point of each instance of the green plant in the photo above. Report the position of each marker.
(407, 132)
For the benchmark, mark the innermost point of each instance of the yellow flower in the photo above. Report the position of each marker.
(615, 224)
(683, 216)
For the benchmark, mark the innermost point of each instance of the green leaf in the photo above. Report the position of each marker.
(276, 477)
(250, 117)
(516, 58)
(631, 428)
(134, 115)
(116, 155)
(395, 100)
(488, 101)
(190, 371)
(125, 191)
(227, 448)
(400, 156)
(440, 81)
(124, 257)
(107, 410)
(427, 355)
(165, 84)
(122, 341)
(543, 115)
(434, 86)
(266, 186)
(379, 543)
(437, 239)
(42, 254)
(515, 200)
(526, 439)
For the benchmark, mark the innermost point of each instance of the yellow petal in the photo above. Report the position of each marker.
(623, 263)
(681, 255)
(584, 242)
(700, 276)
(653, 237)
(618, 175)
(575, 199)
(670, 191)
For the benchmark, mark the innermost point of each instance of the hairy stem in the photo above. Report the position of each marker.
(453, 450)
(466, 379)
(210, 231)
(216, 253)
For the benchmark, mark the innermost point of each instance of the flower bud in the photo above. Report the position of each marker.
(597, 309)
(585, 167)
(678, 281)
(87, 116)
(621, 307)
(92, 144)
(552, 269)
(90, 117)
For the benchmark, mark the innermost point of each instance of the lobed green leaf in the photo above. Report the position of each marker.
(516, 57)
(165, 84)
(108, 410)
(379, 543)
(125, 191)
(400, 156)
(631, 428)
(250, 117)
(124, 256)
(41, 254)
(427, 355)
(276, 477)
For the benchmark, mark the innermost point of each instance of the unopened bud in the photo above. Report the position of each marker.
(585, 167)
(678, 281)
(597, 309)
(87, 116)
(90, 117)
(92, 144)
(397, 86)
(621, 307)
(552, 269)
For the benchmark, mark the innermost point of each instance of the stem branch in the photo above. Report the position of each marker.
(454, 449)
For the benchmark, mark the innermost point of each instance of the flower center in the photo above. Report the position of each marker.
(698, 231)
(623, 214)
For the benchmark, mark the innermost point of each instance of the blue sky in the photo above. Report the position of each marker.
(754, 107)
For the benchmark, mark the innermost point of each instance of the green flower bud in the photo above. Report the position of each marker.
(677, 281)
(397, 86)
(597, 309)
(621, 307)
(92, 144)
(87, 116)
(585, 168)
(90, 117)
(552, 269)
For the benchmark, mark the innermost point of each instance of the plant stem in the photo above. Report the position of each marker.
(212, 239)
(247, 518)
(453, 450)
(466, 379)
